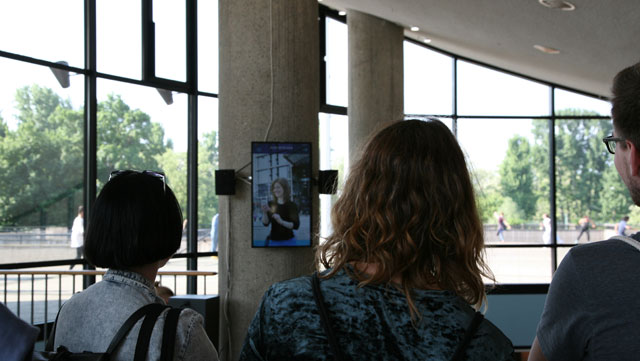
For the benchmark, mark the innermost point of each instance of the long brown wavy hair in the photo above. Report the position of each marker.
(408, 208)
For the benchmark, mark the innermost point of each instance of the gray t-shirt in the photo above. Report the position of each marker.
(592, 310)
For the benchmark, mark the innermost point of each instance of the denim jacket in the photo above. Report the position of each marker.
(90, 319)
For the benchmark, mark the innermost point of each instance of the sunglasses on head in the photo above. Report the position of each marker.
(150, 173)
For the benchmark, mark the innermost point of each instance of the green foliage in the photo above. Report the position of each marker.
(207, 165)
(586, 180)
(614, 198)
(516, 175)
(41, 162)
(513, 214)
(581, 163)
(127, 139)
(174, 165)
(489, 197)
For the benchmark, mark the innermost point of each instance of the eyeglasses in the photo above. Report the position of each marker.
(610, 142)
(151, 173)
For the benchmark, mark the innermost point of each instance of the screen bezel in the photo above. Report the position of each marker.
(309, 191)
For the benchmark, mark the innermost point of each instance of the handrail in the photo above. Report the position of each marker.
(97, 272)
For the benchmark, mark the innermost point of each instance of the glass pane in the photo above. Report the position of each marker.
(334, 154)
(41, 158)
(44, 29)
(428, 81)
(337, 62)
(169, 18)
(510, 167)
(520, 265)
(119, 32)
(137, 130)
(587, 182)
(207, 165)
(568, 102)
(482, 91)
(208, 46)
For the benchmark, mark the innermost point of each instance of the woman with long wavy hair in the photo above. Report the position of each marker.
(404, 264)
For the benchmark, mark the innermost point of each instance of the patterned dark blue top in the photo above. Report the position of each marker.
(370, 323)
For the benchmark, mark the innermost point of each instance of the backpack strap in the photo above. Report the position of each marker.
(169, 334)
(324, 317)
(144, 336)
(628, 240)
(468, 335)
(52, 335)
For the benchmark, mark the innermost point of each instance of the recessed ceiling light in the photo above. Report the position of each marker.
(426, 40)
(342, 13)
(415, 28)
(558, 4)
(546, 49)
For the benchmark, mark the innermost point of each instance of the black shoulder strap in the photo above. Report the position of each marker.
(169, 334)
(144, 335)
(52, 335)
(468, 335)
(317, 295)
(153, 310)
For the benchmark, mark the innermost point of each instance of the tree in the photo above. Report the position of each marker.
(488, 193)
(127, 139)
(516, 175)
(614, 198)
(207, 165)
(581, 162)
(41, 162)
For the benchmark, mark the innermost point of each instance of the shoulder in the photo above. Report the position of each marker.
(597, 250)
(489, 341)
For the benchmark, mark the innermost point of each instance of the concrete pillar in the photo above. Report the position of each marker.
(265, 46)
(375, 75)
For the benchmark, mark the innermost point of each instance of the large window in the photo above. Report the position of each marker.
(504, 123)
(56, 152)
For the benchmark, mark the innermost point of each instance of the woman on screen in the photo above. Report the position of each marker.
(404, 264)
(282, 214)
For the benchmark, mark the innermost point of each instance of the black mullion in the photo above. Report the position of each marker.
(322, 25)
(90, 117)
(552, 179)
(50, 64)
(192, 142)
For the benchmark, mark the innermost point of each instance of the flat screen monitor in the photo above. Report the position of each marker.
(281, 194)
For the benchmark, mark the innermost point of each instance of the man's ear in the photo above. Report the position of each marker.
(634, 158)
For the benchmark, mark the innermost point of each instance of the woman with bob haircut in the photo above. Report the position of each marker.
(134, 229)
(404, 264)
(281, 213)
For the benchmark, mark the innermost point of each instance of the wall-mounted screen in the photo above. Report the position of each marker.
(281, 194)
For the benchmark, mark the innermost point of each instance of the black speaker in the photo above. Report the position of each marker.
(225, 182)
(206, 305)
(327, 181)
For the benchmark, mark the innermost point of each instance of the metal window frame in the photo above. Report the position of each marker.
(325, 12)
(91, 75)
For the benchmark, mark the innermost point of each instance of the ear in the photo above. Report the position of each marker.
(634, 158)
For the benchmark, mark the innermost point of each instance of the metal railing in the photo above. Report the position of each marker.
(36, 295)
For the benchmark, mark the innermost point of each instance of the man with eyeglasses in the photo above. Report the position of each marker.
(592, 310)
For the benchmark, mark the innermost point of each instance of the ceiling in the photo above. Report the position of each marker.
(596, 40)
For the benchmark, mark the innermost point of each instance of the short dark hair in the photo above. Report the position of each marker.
(625, 109)
(135, 221)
